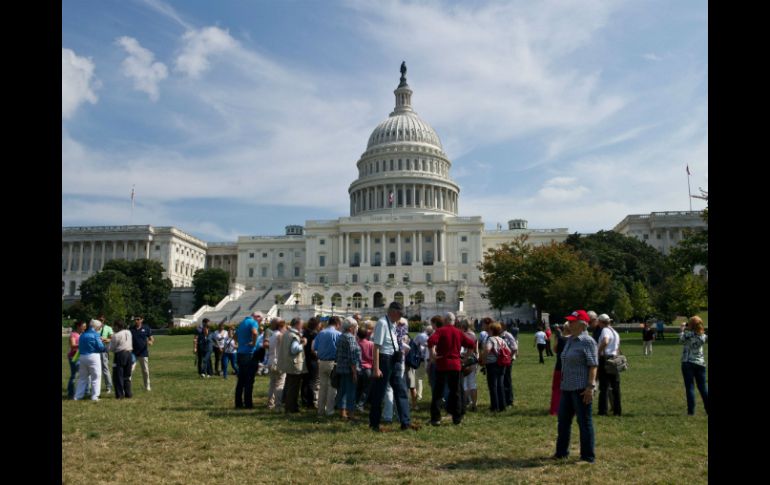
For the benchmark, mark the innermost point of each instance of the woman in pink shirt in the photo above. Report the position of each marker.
(364, 378)
(77, 330)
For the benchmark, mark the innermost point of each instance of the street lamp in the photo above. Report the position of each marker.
(332, 308)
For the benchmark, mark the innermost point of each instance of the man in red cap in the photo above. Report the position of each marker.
(579, 363)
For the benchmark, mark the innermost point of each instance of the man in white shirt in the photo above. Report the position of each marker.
(609, 344)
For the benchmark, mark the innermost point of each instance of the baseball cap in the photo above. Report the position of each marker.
(578, 315)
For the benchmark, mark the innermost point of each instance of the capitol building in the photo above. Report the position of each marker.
(404, 240)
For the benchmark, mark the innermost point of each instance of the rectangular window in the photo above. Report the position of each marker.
(322, 260)
(251, 272)
(296, 271)
(428, 277)
(465, 276)
(251, 255)
(323, 242)
(376, 277)
(280, 255)
(157, 247)
(355, 278)
(264, 255)
(356, 241)
(406, 278)
(322, 279)
(376, 240)
(407, 240)
(391, 164)
(428, 239)
(646, 237)
(658, 236)
(465, 258)
(264, 271)
(464, 238)
(393, 240)
(296, 254)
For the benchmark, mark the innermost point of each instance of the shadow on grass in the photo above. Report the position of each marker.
(483, 463)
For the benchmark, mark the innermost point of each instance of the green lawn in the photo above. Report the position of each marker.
(186, 431)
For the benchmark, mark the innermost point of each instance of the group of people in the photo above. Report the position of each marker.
(352, 364)
(90, 345)
(219, 344)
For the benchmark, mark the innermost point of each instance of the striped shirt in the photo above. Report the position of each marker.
(579, 354)
(693, 347)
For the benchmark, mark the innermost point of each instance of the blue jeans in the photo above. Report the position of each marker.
(346, 394)
(74, 366)
(247, 369)
(390, 375)
(571, 404)
(229, 357)
(695, 374)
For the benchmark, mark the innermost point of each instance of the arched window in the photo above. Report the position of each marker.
(318, 299)
(419, 297)
(357, 300)
(440, 297)
(337, 300)
(378, 303)
(399, 297)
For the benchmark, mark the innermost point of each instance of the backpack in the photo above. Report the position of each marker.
(414, 356)
(503, 355)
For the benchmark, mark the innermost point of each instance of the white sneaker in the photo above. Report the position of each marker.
(203, 375)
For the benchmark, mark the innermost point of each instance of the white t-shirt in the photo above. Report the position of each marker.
(540, 337)
(614, 341)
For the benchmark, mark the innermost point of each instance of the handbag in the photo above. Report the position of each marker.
(397, 355)
(615, 365)
(334, 378)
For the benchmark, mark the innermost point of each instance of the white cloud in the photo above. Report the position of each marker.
(77, 82)
(650, 56)
(168, 11)
(199, 46)
(140, 67)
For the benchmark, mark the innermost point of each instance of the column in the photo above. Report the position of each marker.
(340, 244)
(384, 257)
(136, 250)
(368, 257)
(114, 250)
(418, 254)
(125, 250)
(384, 196)
(398, 248)
(69, 259)
(80, 262)
(91, 259)
(414, 195)
(147, 249)
(443, 246)
(103, 251)
(435, 247)
(347, 248)
(414, 247)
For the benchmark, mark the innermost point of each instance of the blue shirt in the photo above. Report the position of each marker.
(380, 337)
(243, 334)
(90, 343)
(325, 344)
(578, 355)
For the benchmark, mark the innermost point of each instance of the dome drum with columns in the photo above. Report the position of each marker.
(404, 157)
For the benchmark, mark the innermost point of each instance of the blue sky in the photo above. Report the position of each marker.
(241, 117)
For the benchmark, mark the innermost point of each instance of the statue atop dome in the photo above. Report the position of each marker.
(403, 74)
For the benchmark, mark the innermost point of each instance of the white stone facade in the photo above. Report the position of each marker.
(661, 230)
(85, 250)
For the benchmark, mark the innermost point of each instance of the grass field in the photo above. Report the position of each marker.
(185, 431)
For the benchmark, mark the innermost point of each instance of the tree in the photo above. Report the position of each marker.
(623, 309)
(211, 285)
(640, 301)
(682, 294)
(140, 284)
(625, 258)
(553, 277)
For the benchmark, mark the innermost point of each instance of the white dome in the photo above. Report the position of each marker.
(401, 127)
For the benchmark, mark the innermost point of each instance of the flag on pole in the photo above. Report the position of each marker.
(132, 196)
(390, 199)
(688, 169)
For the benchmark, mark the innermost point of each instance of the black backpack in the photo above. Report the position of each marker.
(414, 357)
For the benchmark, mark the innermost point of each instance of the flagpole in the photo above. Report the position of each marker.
(131, 221)
(689, 194)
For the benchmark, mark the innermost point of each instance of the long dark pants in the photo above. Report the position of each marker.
(455, 401)
(508, 386)
(247, 369)
(609, 387)
(291, 392)
(121, 374)
(308, 384)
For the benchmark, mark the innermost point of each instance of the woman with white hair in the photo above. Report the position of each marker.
(348, 364)
(91, 347)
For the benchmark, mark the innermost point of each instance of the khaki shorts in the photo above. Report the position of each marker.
(411, 379)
